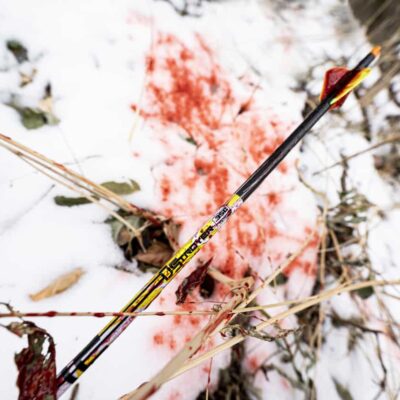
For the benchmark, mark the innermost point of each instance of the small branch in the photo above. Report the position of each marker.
(25, 152)
(292, 311)
(390, 139)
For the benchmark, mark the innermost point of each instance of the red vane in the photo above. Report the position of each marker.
(332, 77)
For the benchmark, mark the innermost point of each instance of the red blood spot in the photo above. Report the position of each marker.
(307, 267)
(165, 188)
(175, 395)
(273, 198)
(60, 165)
(158, 338)
(282, 167)
(51, 313)
(99, 314)
(253, 364)
(150, 64)
(177, 319)
(285, 383)
(172, 343)
(194, 321)
(206, 369)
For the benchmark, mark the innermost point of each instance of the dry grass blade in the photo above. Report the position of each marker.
(292, 311)
(59, 169)
(81, 185)
(390, 139)
(193, 346)
(59, 285)
(380, 85)
(100, 314)
(236, 305)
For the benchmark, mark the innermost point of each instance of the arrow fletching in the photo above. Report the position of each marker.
(333, 76)
(360, 76)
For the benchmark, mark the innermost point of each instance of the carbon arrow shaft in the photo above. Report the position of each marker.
(165, 275)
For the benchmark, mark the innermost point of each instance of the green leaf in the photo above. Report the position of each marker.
(122, 188)
(70, 201)
(51, 119)
(31, 118)
(18, 50)
(191, 141)
(366, 292)
(120, 233)
(343, 393)
(280, 279)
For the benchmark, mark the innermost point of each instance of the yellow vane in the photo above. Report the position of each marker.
(361, 75)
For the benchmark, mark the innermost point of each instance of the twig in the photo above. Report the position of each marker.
(390, 139)
(292, 311)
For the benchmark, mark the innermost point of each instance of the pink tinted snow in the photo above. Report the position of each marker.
(215, 133)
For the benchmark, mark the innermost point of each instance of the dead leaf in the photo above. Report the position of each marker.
(59, 285)
(196, 278)
(26, 79)
(157, 254)
(36, 363)
(343, 393)
(171, 230)
(46, 106)
(36, 117)
(120, 232)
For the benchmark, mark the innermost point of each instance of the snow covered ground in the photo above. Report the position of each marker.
(109, 63)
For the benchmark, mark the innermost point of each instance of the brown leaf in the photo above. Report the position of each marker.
(157, 254)
(26, 79)
(36, 363)
(196, 278)
(46, 106)
(171, 230)
(59, 285)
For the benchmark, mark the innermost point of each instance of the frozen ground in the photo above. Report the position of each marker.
(95, 54)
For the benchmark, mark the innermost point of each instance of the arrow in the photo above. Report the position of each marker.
(338, 83)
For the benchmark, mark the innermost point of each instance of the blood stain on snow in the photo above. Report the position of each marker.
(175, 395)
(212, 144)
(253, 364)
(158, 338)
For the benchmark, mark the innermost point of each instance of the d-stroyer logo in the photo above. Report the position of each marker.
(202, 237)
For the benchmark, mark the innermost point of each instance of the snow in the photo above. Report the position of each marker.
(94, 55)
